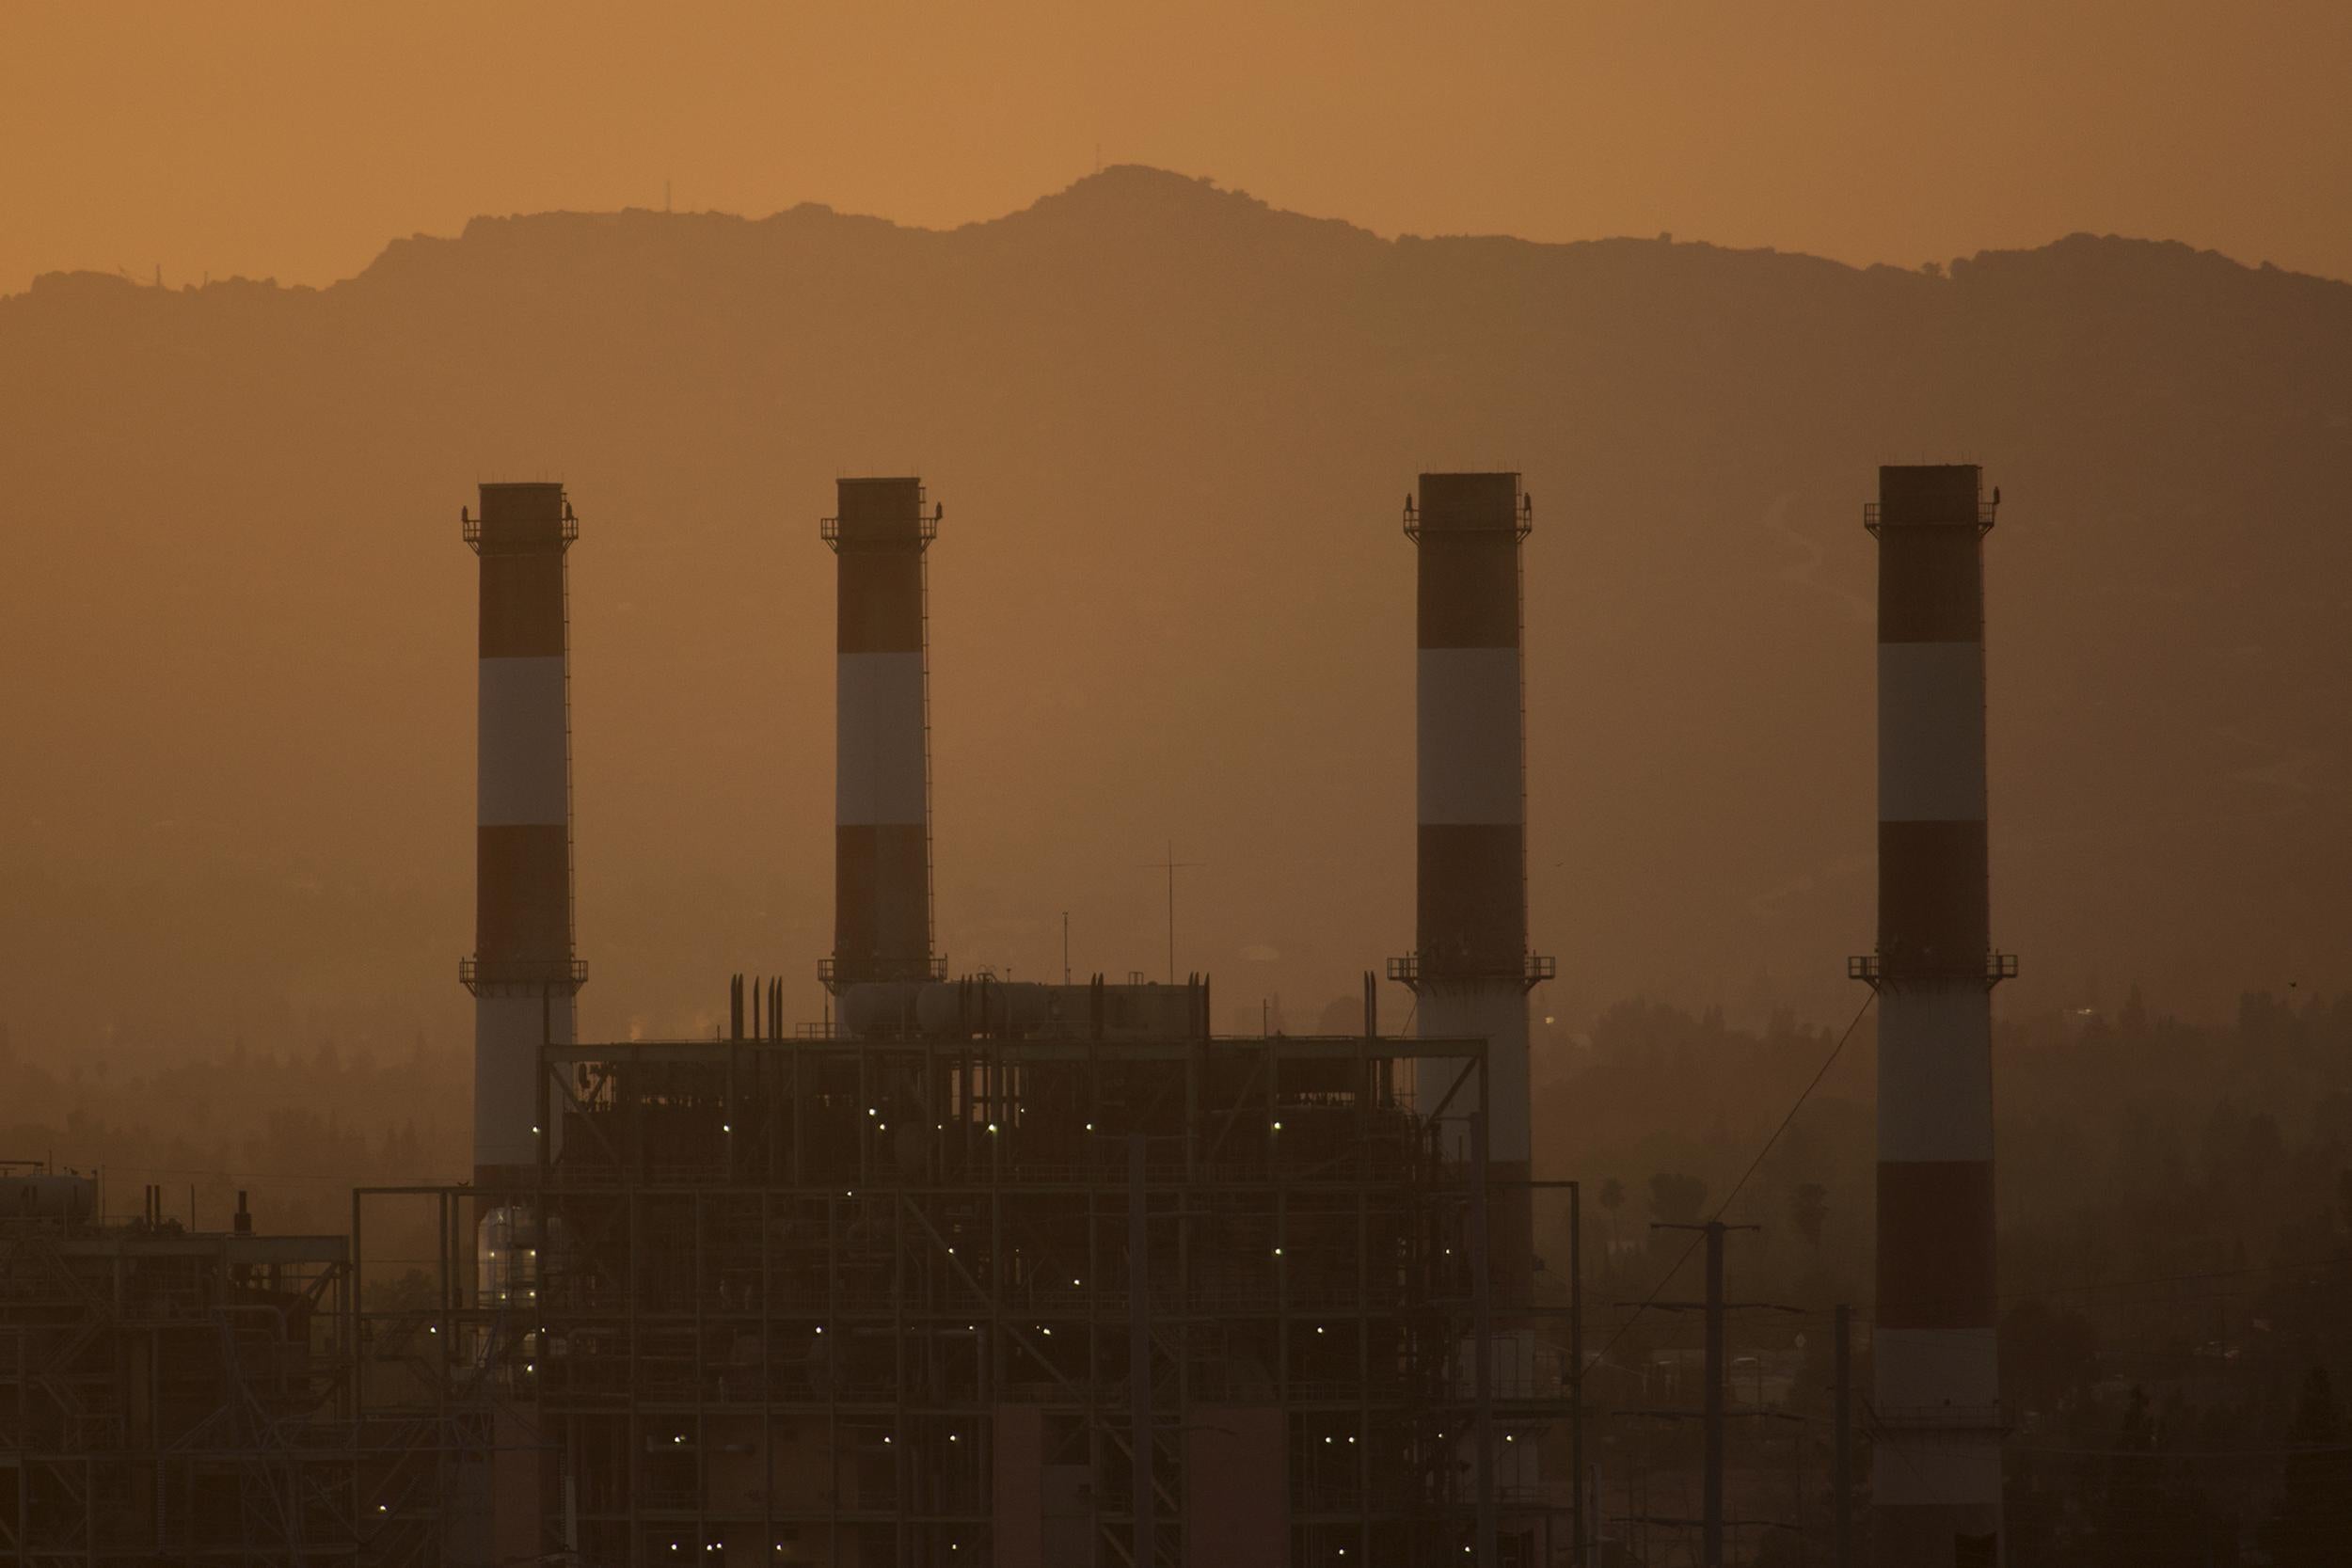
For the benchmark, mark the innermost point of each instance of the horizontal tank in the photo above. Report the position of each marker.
(982, 1004)
(48, 1197)
(880, 1009)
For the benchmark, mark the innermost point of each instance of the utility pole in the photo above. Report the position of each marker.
(1576, 1371)
(1481, 1300)
(1711, 1539)
(1139, 1351)
(1172, 866)
(1841, 1474)
(1712, 1522)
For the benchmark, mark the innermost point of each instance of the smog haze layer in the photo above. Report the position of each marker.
(1172, 428)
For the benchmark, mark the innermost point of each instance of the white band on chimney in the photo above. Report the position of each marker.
(1932, 731)
(521, 723)
(1935, 1077)
(1469, 743)
(1495, 1012)
(508, 1032)
(878, 762)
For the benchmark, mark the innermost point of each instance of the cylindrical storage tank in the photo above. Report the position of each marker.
(939, 1010)
(43, 1196)
(879, 1010)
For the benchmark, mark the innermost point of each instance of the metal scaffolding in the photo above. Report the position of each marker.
(874, 1301)
(174, 1396)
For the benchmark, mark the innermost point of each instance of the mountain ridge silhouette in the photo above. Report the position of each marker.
(1171, 425)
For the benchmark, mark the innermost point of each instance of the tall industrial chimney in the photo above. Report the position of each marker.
(522, 972)
(1937, 1482)
(1470, 966)
(881, 879)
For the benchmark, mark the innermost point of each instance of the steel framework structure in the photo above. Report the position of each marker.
(171, 1396)
(870, 1302)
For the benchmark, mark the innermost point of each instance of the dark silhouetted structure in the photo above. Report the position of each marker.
(1936, 1476)
(173, 1396)
(882, 899)
(1471, 967)
(870, 1300)
(523, 972)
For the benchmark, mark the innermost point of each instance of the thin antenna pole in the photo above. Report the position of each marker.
(1140, 1353)
(1172, 866)
(1575, 1372)
(1841, 1485)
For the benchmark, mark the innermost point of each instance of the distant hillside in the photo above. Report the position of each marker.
(1172, 429)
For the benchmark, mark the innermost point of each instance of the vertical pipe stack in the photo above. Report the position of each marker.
(881, 765)
(1470, 964)
(1936, 1479)
(522, 973)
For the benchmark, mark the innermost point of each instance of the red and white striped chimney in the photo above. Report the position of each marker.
(1471, 965)
(1936, 1478)
(882, 897)
(522, 973)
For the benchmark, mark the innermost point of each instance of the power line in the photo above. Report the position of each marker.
(1644, 1304)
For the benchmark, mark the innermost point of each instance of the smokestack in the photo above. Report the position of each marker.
(1471, 967)
(1937, 1487)
(881, 847)
(522, 972)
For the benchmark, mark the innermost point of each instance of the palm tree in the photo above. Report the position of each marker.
(1808, 1205)
(1613, 1200)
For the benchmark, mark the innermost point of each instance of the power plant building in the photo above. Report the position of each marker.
(975, 1272)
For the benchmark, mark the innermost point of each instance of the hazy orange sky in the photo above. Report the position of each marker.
(292, 140)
